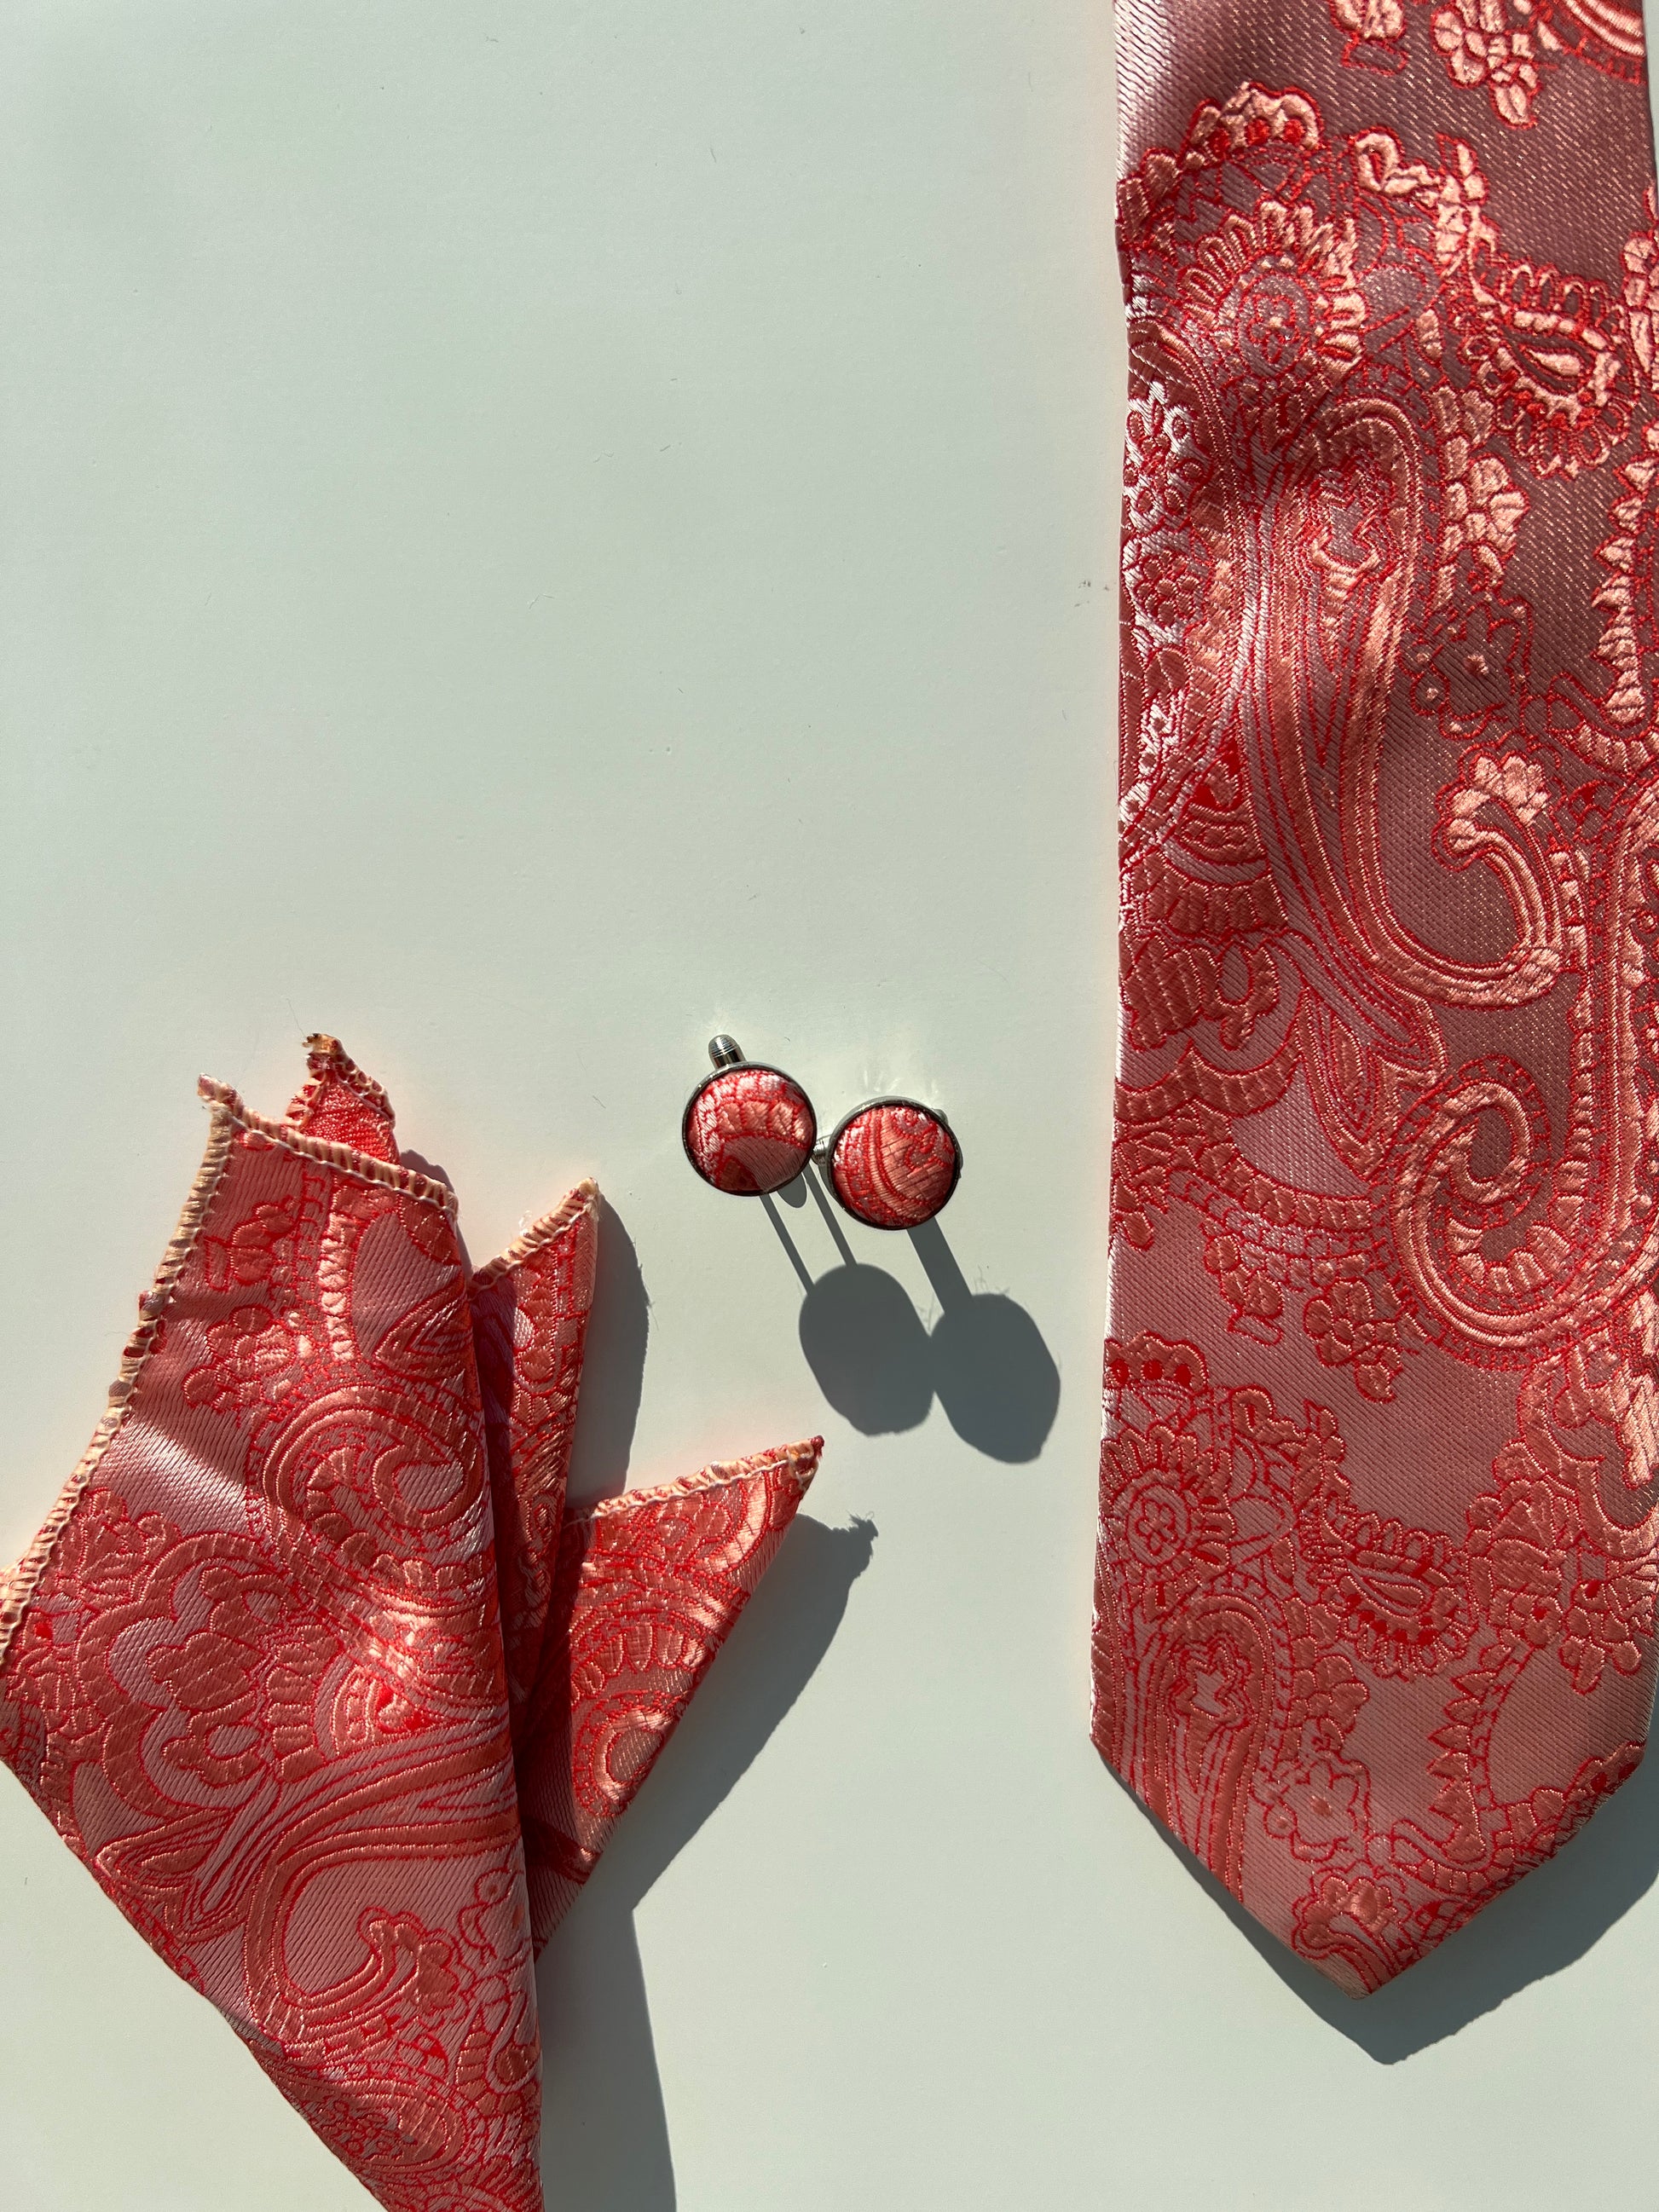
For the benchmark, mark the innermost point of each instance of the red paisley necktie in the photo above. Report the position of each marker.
(1378, 1504)
(312, 1669)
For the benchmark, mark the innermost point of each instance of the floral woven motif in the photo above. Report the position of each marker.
(1374, 1629)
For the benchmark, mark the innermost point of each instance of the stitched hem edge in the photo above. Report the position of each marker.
(803, 1457)
(409, 1181)
(19, 1583)
(564, 1216)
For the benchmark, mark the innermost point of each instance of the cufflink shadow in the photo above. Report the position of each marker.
(1547, 1921)
(867, 1349)
(995, 1376)
(604, 2145)
(879, 1366)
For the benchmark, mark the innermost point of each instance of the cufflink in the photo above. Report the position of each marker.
(750, 1128)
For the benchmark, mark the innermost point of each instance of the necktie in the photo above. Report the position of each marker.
(312, 1669)
(1375, 1595)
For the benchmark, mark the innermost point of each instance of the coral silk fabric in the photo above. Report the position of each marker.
(310, 1649)
(1378, 1570)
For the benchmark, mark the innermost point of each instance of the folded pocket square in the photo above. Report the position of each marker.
(312, 1669)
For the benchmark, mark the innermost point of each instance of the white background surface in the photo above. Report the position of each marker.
(530, 533)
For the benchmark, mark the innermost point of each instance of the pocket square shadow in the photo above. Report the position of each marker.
(604, 2145)
(613, 1364)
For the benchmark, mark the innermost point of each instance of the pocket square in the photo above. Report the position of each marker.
(310, 1667)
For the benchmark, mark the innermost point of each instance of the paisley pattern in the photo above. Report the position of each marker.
(647, 1586)
(749, 1130)
(1380, 1504)
(268, 1674)
(611, 1616)
(894, 1164)
(530, 1311)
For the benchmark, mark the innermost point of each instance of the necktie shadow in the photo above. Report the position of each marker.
(1546, 1921)
(881, 1368)
(604, 2145)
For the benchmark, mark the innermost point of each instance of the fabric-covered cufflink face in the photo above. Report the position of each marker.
(749, 1130)
(893, 1164)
